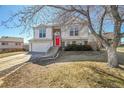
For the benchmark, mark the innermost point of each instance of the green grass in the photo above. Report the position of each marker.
(9, 54)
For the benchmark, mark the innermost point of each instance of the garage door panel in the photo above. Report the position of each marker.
(40, 47)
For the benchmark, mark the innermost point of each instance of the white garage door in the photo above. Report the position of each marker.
(40, 47)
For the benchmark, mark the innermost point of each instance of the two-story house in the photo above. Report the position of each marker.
(50, 35)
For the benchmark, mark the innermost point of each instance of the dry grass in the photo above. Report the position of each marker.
(9, 54)
(68, 75)
(71, 70)
(120, 49)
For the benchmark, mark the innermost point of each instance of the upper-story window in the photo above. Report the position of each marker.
(74, 31)
(71, 32)
(42, 32)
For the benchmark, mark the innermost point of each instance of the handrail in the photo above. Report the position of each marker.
(52, 57)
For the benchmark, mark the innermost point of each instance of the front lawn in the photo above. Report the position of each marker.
(72, 69)
(76, 74)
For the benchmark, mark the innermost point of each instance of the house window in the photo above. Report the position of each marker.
(42, 33)
(4, 43)
(71, 32)
(74, 31)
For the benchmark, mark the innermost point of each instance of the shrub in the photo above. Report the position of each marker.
(11, 50)
(87, 48)
(74, 47)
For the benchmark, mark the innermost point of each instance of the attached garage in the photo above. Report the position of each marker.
(42, 46)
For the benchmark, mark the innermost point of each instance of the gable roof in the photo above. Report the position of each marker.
(70, 21)
(14, 39)
(46, 25)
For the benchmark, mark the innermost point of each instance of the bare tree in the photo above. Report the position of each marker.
(94, 16)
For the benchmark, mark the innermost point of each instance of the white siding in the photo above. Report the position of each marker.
(40, 46)
(10, 45)
(83, 33)
(43, 44)
(36, 33)
(48, 33)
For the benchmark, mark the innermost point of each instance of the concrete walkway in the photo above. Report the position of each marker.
(8, 62)
(50, 54)
(11, 62)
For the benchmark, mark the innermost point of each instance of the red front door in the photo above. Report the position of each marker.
(57, 40)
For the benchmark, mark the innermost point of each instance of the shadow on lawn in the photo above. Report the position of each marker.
(107, 78)
(121, 57)
(38, 58)
(94, 57)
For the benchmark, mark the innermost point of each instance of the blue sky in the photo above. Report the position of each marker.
(6, 11)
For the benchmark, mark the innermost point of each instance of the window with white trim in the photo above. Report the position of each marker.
(42, 32)
(74, 31)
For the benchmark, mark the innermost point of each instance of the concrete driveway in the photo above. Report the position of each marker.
(8, 62)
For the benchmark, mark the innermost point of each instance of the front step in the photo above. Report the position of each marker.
(52, 54)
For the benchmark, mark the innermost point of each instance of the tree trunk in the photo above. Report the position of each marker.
(112, 57)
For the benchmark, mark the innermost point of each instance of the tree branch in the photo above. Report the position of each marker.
(115, 13)
(61, 7)
(117, 25)
(122, 20)
(82, 11)
(101, 39)
(101, 22)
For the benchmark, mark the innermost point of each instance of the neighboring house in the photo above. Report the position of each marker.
(10, 43)
(110, 36)
(26, 47)
(50, 35)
